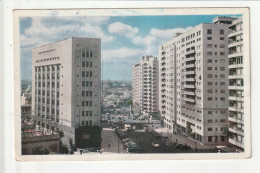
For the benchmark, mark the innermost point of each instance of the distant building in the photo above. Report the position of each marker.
(66, 85)
(194, 82)
(146, 84)
(236, 83)
(32, 140)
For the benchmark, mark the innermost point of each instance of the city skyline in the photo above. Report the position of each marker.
(124, 38)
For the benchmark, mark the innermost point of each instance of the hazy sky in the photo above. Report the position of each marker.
(124, 39)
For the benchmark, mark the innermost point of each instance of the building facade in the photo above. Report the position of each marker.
(145, 85)
(66, 85)
(194, 82)
(236, 84)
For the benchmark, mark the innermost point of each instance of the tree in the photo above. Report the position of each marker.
(226, 132)
(63, 148)
(129, 102)
(41, 150)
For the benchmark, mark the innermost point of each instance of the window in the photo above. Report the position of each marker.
(209, 91)
(209, 38)
(222, 32)
(209, 112)
(209, 31)
(83, 113)
(83, 73)
(210, 129)
(222, 53)
(222, 83)
(209, 83)
(222, 38)
(222, 120)
(222, 45)
(209, 75)
(222, 60)
(209, 53)
(222, 138)
(209, 45)
(209, 68)
(222, 91)
(209, 60)
(222, 68)
(209, 138)
(222, 76)
(83, 64)
(209, 98)
(222, 98)
(210, 121)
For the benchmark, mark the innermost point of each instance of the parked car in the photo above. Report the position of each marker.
(156, 145)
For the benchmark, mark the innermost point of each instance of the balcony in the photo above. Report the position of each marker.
(235, 66)
(189, 86)
(235, 32)
(237, 143)
(234, 119)
(189, 100)
(236, 87)
(235, 76)
(236, 130)
(190, 59)
(190, 65)
(236, 98)
(234, 54)
(236, 109)
(189, 79)
(189, 72)
(234, 43)
(189, 93)
(190, 52)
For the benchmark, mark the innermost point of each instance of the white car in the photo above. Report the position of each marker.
(155, 145)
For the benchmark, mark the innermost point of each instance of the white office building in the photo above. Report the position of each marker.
(66, 85)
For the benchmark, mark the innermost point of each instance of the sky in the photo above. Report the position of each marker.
(124, 39)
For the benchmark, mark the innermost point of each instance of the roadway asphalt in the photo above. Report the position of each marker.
(110, 141)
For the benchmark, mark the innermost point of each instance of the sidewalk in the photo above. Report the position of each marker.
(183, 139)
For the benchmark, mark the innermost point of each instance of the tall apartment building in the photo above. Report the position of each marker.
(145, 84)
(236, 83)
(194, 82)
(66, 85)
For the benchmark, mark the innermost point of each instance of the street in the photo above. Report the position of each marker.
(110, 138)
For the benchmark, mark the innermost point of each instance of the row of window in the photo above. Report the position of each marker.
(222, 139)
(221, 32)
(87, 64)
(86, 73)
(86, 103)
(216, 83)
(86, 83)
(88, 123)
(86, 94)
(216, 76)
(86, 113)
(216, 98)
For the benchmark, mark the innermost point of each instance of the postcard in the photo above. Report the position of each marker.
(132, 84)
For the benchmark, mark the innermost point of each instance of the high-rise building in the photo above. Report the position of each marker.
(145, 85)
(236, 83)
(194, 82)
(66, 85)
